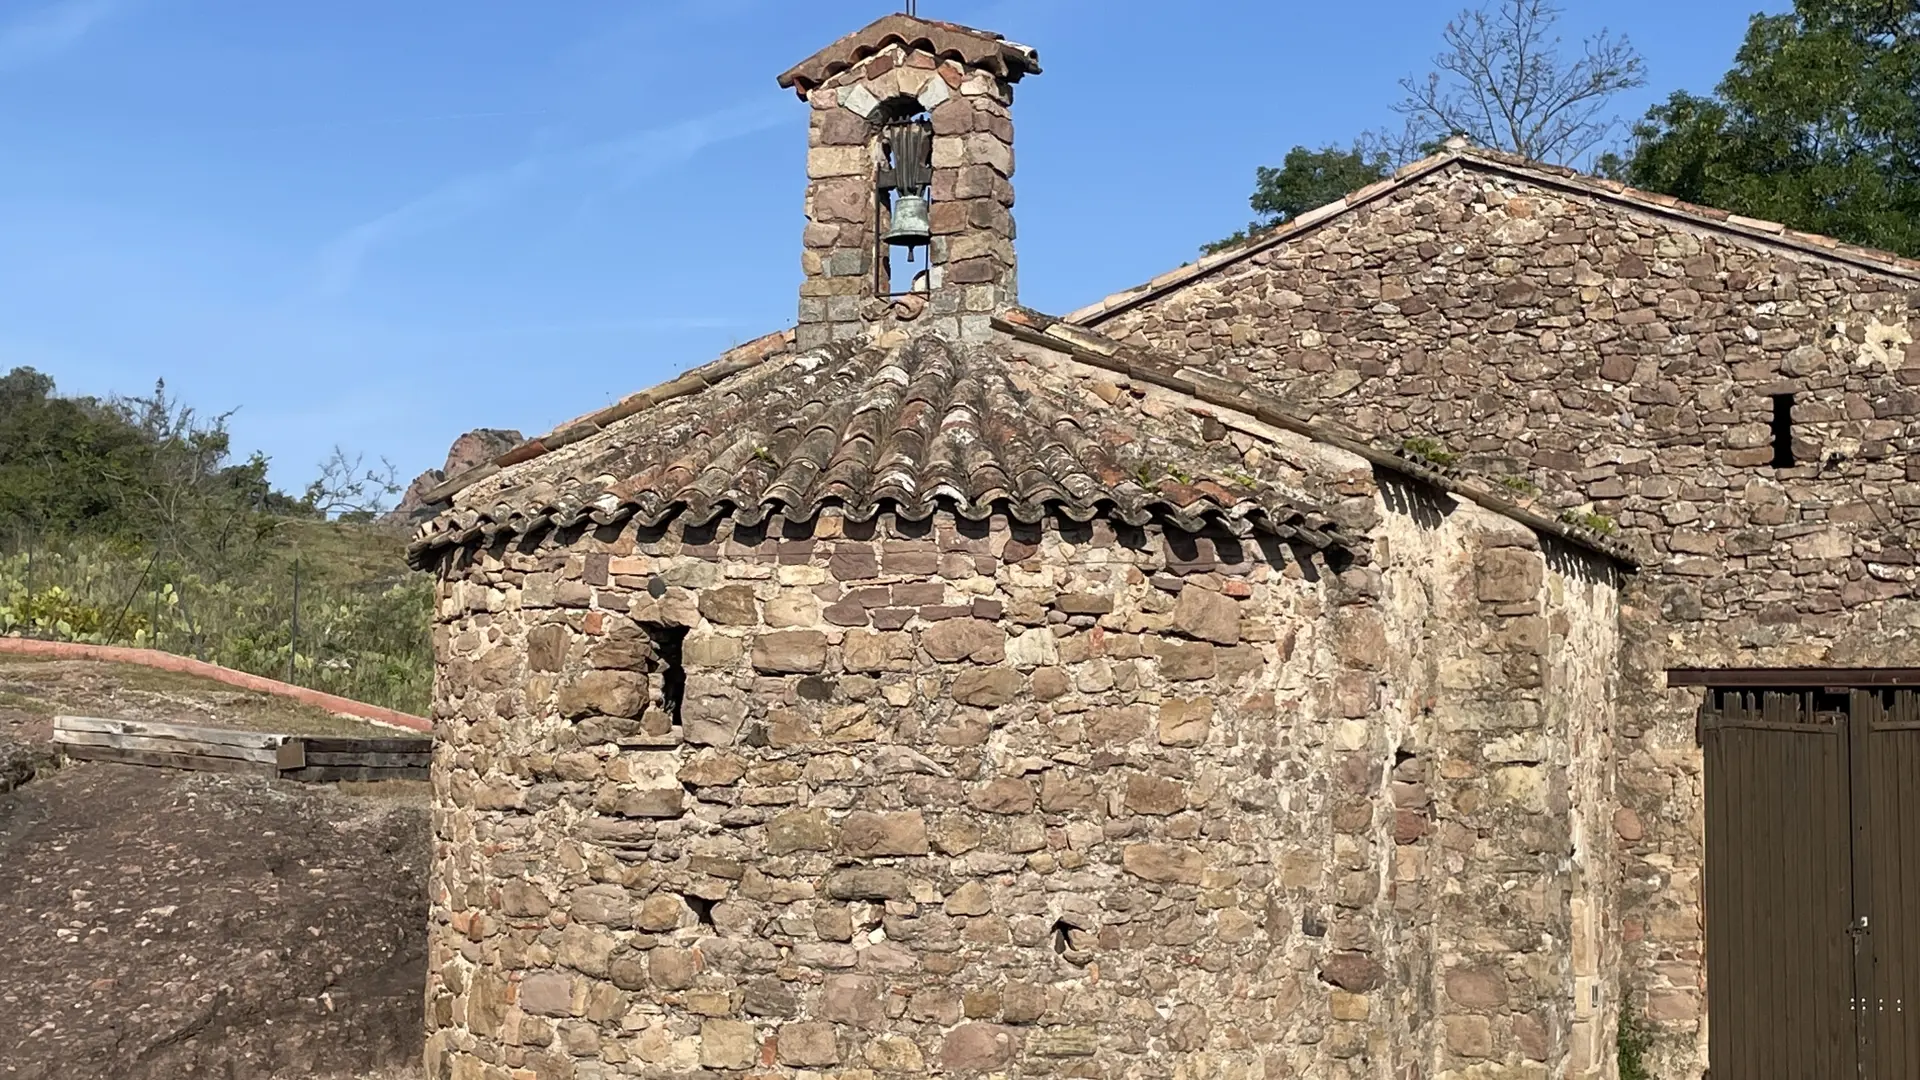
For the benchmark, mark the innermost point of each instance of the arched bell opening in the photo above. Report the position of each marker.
(903, 198)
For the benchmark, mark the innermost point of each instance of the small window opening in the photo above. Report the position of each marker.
(702, 908)
(1062, 937)
(668, 644)
(1783, 431)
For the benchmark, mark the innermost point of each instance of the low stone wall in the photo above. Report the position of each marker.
(187, 665)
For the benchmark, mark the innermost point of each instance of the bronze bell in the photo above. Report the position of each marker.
(912, 223)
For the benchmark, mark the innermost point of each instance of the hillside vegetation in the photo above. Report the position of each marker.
(127, 521)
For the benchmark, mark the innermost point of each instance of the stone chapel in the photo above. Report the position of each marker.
(1398, 647)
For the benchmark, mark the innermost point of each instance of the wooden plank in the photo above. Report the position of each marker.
(398, 745)
(291, 755)
(196, 762)
(149, 744)
(323, 774)
(191, 733)
(378, 761)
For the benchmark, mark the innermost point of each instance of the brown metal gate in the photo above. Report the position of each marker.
(1813, 863)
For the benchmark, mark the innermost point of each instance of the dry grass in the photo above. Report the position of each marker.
(131, 692)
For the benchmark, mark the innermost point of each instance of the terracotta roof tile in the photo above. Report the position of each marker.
(910, 426)
(944, 40)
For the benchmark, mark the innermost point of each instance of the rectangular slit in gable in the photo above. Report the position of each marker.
(1783, 431)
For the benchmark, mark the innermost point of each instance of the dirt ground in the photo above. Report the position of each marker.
(157, 923)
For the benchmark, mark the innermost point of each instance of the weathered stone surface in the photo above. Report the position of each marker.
(971, 898)
(1164, 863)
(977, 1046)
(1185, 722)
(857, 1000)
(895, 1053)
(987, 687)
(1208, 616)
(1153, 795)
(990, 798)
(547, 646)
(522, 899)
(1004, 796)
(730, 605)
(790, 652)
(547, 994)
(865, 833)
(965, 639)
(869, 884)
(661, 912)
(801, 830)
(1477, 987)
(1183, 661)
(609, 693)
(606, 905)
(673, 969)
(807, 1044)
(1353, 972)
(728, 1044)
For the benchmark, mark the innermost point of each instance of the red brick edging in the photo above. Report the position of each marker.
(186, 665)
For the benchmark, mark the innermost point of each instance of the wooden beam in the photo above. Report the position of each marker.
(324, 774)
(255, 740)
(1777, 677)
(78, 739)
(406, 744)
(378, 761)
(196, 762)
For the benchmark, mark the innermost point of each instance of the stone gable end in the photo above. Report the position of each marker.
(1624, 363)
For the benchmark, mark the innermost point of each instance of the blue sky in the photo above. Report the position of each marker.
(381, 224)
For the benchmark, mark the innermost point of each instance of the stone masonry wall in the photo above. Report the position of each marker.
(1623, 363)
(971, 255)
(1045, 802)
(955, 804)
(1504, 656)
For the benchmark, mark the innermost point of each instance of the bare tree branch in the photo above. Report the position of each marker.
(1503, 83)
(347, 486)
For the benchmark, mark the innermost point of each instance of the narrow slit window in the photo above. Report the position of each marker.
(1783, 431)
(668, 643)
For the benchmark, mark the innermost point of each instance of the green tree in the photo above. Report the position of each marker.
(1817, 126)
(65, 463)
(1306, 179)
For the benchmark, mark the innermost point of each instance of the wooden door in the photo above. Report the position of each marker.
(1891, 1001)
(1779, 891)
(1813, 883)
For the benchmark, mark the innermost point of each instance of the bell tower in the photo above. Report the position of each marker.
(909, 178)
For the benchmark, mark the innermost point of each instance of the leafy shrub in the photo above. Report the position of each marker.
(368, 639)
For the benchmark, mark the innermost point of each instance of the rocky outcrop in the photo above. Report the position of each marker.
(476, 447)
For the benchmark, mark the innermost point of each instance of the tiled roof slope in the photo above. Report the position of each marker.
(908, 425)
(731, 362)
(1551, 176)
(1142, 366)
(974, 48)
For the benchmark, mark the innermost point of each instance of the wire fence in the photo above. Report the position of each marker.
(365, 638)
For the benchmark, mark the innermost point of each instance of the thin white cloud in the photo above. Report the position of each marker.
(609, 164)
(48, 31)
